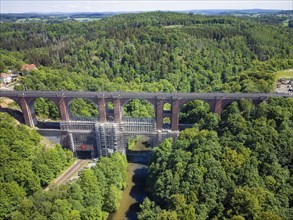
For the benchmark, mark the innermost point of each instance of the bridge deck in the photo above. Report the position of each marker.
(134, 95)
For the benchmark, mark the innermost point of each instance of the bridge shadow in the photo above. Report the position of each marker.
(140, 157)
(48, 125)
(16, 114)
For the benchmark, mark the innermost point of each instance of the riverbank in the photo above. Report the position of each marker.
(134, 193)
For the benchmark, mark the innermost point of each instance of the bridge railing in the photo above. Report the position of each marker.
(83, 118)
(77, 125)
(126, 119)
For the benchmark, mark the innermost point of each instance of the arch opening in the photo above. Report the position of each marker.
(45, 110)
(139, 143)
(197, 113)
(167, 123)
(245, 107)
(12, 108)
(139, 149)
(167, 106)
(138, 108)
(110, 111)
(82, 109)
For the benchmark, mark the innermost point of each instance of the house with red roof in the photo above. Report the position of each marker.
(28, 67)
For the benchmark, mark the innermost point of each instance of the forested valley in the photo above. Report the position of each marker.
(234, 166)
(29, 164)
(151, 52)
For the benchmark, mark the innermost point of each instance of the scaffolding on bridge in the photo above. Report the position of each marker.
(137, 125)
(99, 138)
(103, 139)
(109, 137)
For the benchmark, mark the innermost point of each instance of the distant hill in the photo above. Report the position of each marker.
(231, 11)
(74, 15)
(56, 15)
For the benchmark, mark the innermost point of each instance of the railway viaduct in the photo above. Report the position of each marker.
(217, 102)
(111, 132)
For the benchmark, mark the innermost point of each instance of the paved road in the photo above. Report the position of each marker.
(69, 173)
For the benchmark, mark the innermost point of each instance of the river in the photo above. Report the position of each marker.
(134, 193)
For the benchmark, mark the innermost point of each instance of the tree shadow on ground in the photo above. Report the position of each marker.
(137, 192)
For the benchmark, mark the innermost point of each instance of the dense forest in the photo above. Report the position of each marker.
(96, 193)
(149, 51)
(29, 164)
(234, 166)
(237, 167)
(152, 52)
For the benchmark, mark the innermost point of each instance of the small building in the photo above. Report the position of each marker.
(28, 67)
(5, 78)
(14, 76)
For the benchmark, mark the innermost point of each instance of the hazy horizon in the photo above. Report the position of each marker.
(86, 12)
(95, 6)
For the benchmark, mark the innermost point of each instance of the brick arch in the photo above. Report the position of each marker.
(216, 105)
(17, 100)
(23, 103)
(124, 102)
(181, 103)
(225, 103)
(63, 107)
(211, 102)
(31, 104)
(9, 110)
(94, 101)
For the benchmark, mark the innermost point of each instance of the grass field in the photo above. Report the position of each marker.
(284, 74)
(21, 20)
(87, 19)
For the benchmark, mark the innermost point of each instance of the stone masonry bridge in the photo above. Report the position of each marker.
(111, 131)
(217, 102)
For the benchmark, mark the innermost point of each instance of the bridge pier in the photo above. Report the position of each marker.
(64, 108)
(102, 110)
(159, 114)
(175, 115)
(218, 106)
(117, 110)
(26, 111)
